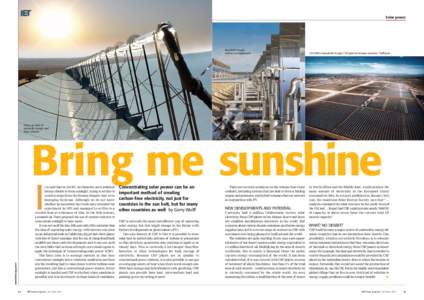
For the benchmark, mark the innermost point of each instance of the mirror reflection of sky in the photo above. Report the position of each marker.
(251, 37)
(395, 65)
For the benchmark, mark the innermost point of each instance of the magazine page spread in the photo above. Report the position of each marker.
(214, 149)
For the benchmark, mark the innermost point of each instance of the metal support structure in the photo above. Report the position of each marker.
(121, 83)
(132, 83)
(290, 126)
(114, 100)
(106, 85)
(169, 104)
(137, 85)
(149, 75)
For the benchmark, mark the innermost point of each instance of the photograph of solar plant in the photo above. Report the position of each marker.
(114, 70)
(365, 98)
(258, 81)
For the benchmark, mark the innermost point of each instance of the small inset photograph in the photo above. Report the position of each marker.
(115, 70)
(258, 81)
(364, 98)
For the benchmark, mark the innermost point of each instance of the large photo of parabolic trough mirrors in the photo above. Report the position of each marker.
(114, 70)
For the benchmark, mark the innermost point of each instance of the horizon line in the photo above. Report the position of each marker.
(70, 57)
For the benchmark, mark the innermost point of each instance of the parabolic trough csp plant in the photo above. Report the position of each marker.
(258, 95)
(365, 98)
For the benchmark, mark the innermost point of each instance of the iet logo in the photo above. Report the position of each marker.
(25, 12)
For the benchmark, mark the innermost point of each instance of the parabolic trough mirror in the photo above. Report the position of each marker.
(259, 95)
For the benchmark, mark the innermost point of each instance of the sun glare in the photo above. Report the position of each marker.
(55, 24)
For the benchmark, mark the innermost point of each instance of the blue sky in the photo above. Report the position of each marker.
(252, 37)
(365, 65)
